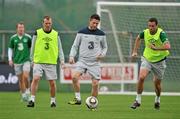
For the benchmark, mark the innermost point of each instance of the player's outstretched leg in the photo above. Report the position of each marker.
(76, 85)
(140, 86)
(34, 87)
(157, 84)
(52, 93)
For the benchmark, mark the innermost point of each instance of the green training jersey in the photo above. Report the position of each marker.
(21, 48)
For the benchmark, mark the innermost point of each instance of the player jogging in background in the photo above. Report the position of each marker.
(153, 59)
(19, 58)
(46, 48)
(91, 44)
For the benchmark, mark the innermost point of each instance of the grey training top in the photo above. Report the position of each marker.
(90, 44)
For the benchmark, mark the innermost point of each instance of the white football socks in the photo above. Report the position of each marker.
(138, 98)
(27, 91)
(32, 98)
(157, 99)
(78, 95)
(23, 95)
(53, 100)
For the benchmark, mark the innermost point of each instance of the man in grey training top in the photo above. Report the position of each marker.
(92, 46)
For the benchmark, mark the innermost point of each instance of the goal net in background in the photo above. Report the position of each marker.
(123, 21)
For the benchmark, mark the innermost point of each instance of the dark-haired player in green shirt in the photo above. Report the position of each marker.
(153, 60)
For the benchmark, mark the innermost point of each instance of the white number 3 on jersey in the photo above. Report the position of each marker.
(20, 46)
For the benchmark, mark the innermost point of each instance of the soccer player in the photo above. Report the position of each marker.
(46, 48)
(91, 44)
(19, 58)
(153, 59)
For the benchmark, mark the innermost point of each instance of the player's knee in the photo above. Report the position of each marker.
(158, 86)
(95, 83)
(36, 79)
(75, 77)
(25, 77)
(21, 80)
(157, 82)
(142, 77)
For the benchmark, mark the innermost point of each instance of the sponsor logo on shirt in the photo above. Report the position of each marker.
(15, 41)
(85, 36)
(25, 40)
(97, 38)
(47, 39)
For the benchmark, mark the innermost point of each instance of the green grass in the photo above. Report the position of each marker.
(110, 107)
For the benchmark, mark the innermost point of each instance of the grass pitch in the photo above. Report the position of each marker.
(110, 107)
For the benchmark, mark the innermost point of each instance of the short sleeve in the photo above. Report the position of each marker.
(163, 37)
(141, 35)
(11, 44)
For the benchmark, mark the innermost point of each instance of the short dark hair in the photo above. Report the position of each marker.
(46, 17)
(153, 20)
(95, 16)
(19, 23)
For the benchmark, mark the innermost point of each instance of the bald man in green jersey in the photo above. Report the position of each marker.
(156, 50)
(46, 48)
(19, 58)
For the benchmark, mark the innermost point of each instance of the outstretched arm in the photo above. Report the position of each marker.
(32, 47)
(60, 51)
(104, 46)
(104, 49)
(10, 53)
(166, 46)
(74, 49)
(136, 46)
